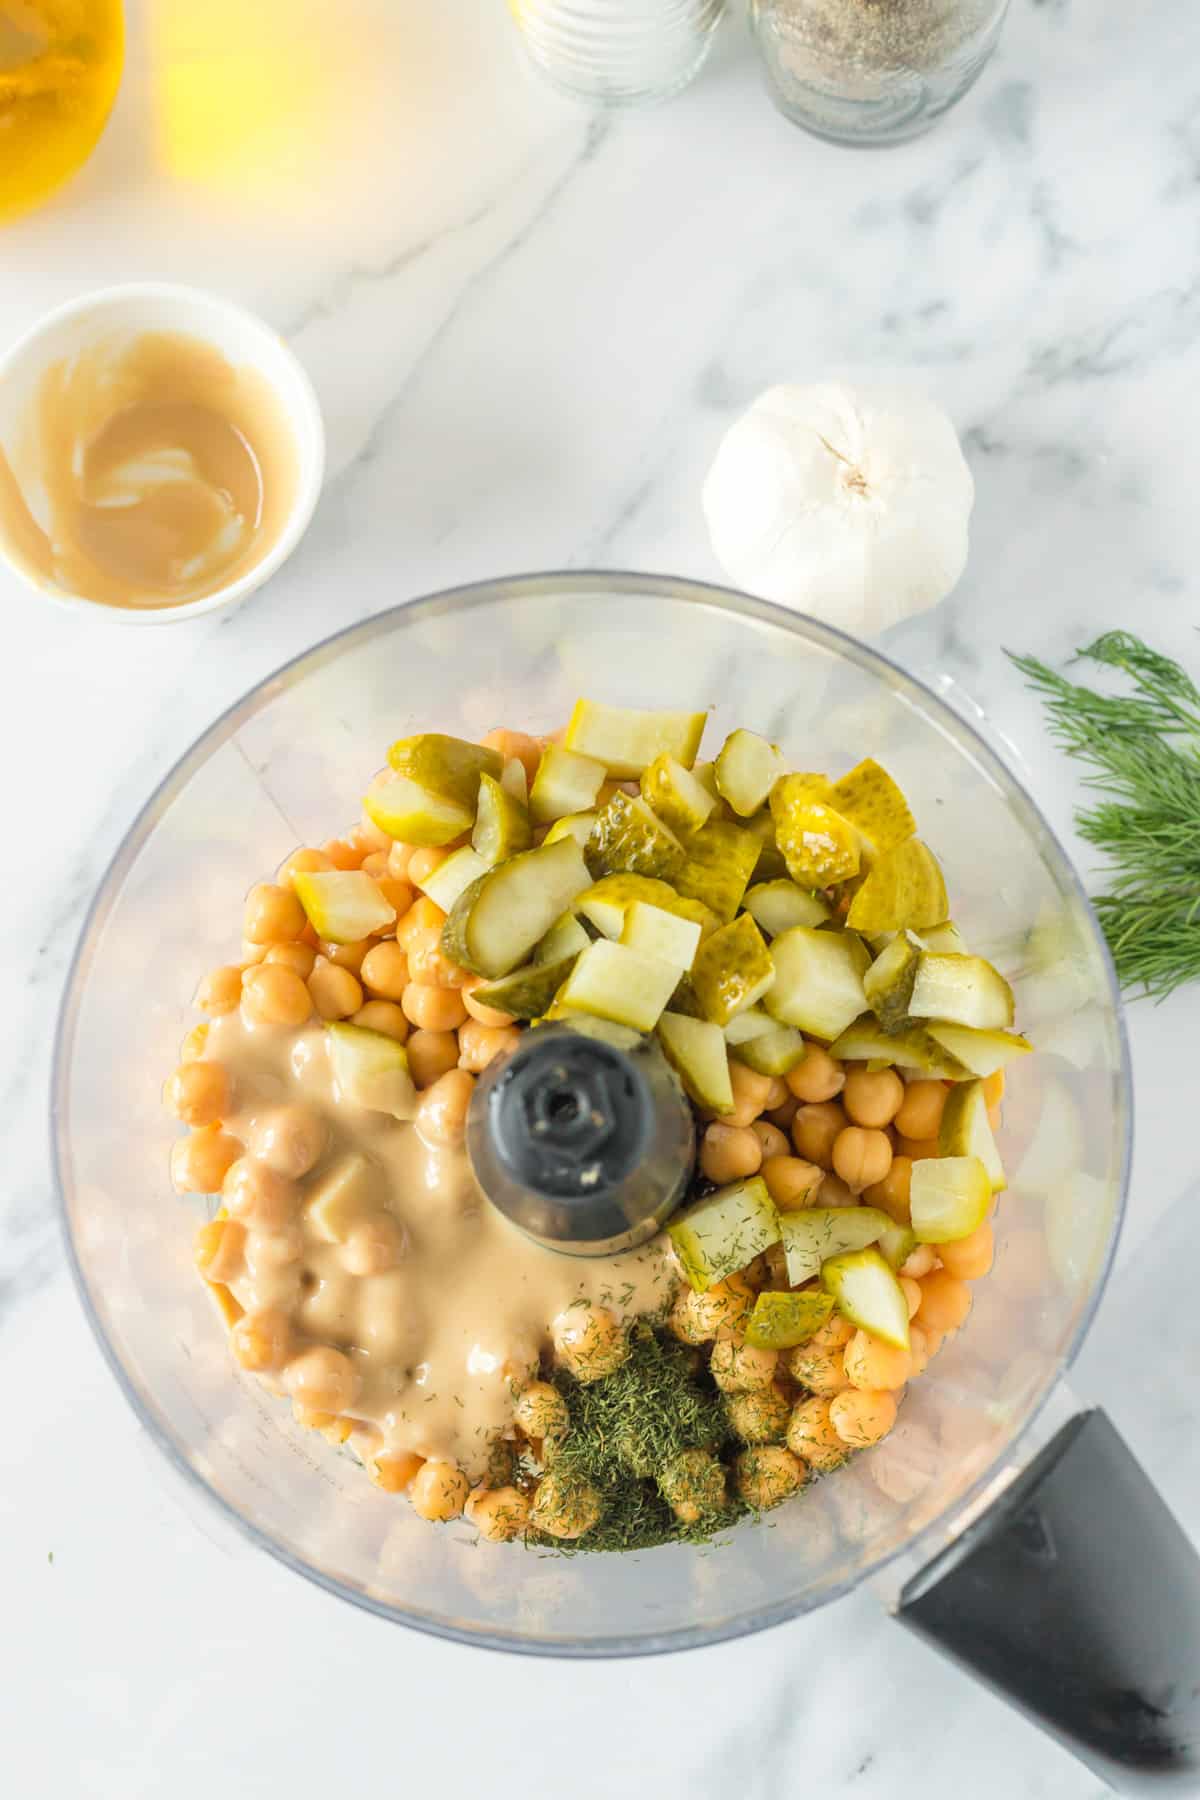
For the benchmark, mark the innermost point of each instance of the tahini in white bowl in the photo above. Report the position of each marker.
(244, 341)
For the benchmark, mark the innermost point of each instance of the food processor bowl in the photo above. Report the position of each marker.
(285, 766)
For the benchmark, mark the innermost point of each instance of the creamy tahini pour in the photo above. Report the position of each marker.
(442, 1340)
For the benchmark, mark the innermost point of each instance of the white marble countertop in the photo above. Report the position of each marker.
(528, 325)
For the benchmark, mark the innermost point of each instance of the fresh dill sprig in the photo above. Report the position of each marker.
(1144, 747)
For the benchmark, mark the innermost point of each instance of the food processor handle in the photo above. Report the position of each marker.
(1076, 1597)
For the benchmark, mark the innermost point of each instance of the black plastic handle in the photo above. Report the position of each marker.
(1077, 1598)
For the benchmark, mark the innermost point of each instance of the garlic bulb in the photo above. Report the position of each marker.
(847, 503)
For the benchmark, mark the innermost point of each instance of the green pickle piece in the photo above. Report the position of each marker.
(905, 890)
(627, 838)
(865, 1040)
(565, 938)
(868, 1294)
(979, 1052)
(949, 1198)
(414, 814)
(815, 1233)
(732, 969)
(371, 1069)
(778, 905)
(497, 921)
(961, 990)
(608, 900)
(782, 1321)
(452, 877)
(772, 1052)
(818, 845)
(343, 905)
(966, 1130)
(746, 770)
(696, 1051)
(720, 1234)
(565, 783)
(719, 860)
(870, 799)
(528, 992)
(888, 983)
(656, 932)
(682, 802)
(576, 825)
(448, 766)
(502, 825)
(818, 984)
(627, 740)
(611, 981)
(770, 865)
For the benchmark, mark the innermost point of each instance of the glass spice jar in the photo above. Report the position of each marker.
(617, 52)
(873, 71)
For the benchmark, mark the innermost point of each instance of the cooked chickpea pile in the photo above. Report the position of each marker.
(827, 1134)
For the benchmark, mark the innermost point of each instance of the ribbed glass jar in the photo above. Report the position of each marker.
(618, 52)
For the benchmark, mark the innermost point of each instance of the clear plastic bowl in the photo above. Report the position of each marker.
(286, 766)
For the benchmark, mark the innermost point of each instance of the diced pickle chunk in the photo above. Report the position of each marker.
(819, 846)
(732, 969)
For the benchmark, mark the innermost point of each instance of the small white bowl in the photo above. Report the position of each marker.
(244, 340)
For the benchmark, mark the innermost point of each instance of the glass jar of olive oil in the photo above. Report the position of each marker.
(60, 67)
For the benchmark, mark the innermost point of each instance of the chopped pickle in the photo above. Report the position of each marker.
(773, 1052)
(498, 920)
(966, 1130)
(529, 992)
(815, 1233)
(720, 1234)
(719, 860)
(754, 1022)
(905, 890)
(961, 990)
(610, 981)
(897, 1244)
(915, 1049)
(338, 1201)
(818, 981)
(732, 969)
(770, 865)
(627, 740)
(818, 845)
(565, 938)
(514, 780)
(448, 766)
(416, 814)
(696, 1051)
(778, 905)
(609, 899)
(746, 770)
(949, 1198)
(888, 983)
(565, 783)
(684, 1000)
(502, 827)
(371, 1069)
(980, 1052)
(870, 799)
(673, 792)
(706, 775)
(445, 883)
(656, 932)
(945, 937)
(627, 838)
(868, 1293)
(781, 1321)
(576, 825)
(343, 905)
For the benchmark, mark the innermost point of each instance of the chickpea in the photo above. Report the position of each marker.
(384, 971)
(480, 1045)
(343, 854)
(723, 1310)
(199, 1163)
(792, 1183)
(565, 1507)
(272, 995)
(589, 1340)
(834, 1334)
(374, 863)
(297, 957)
(541, 1411)
(442, 1109)
(750, 1090)
(920, 1113)
(861, 1417)
(729, 1152)
(819, 1368)
(347, 956)
(785, 1114)
(759, 1418)
(684, 1322)
(367, 832)
(220, 1253)
(393, 1470)
(891, 1194)
(323, 1378)
(771, 1141)
(945, 1301)
(767, 1475)
(692, 1484)
(509, 744)
(432, 1008)
(815, 1130)
(431, 1054)
(777, 1093)
(438, 1491)
(917, 1149)
(740, 1368)
(423, 862)
(399, 857)
(871, 1099)
(335, 992)
(498, 1514)
(919, 1262)
(289, 1139)
(219, 991)
(970, 1258)
(424, 919)
(811, 1436)
(861, 1157)
(817, 1078)
(198, 1093)
(192, 1047)
(428, 963)
(870, 1363)
(259, 1195)
(397, 893)
(918, 1347)
(384, 1016)
(484, 1015)
(303, 862)
(273, 914)
(261, 1340)
(374, 1245)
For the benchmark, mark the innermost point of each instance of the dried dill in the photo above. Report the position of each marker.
(626, 1430)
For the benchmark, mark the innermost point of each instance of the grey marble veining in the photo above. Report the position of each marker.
(529, 326)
